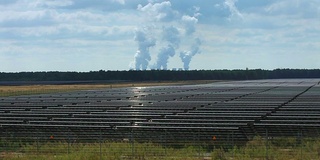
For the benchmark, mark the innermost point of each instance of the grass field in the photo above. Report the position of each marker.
(6, 91)
(256, 149)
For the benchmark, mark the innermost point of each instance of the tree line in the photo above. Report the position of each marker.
(158, 75)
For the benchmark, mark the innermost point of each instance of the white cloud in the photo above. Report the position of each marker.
(159, 11)
(100, 34)
(190, 23)
(230, 4)
(297, 8)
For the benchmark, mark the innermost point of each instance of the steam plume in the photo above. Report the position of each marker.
(171, 36)
(190, 22)
(186, 56)
(142, 56)
(164, 55)
(160, 13)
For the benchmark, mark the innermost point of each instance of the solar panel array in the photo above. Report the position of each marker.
(237, 109)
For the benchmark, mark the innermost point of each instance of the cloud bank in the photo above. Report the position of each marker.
(81, 35)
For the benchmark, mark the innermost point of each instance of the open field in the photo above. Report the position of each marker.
(284, 115)
(21, 89)
(255, 149)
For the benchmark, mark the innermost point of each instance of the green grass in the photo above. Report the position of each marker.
(278, 149)
(91, 151)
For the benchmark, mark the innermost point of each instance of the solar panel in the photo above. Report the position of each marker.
(243, 108)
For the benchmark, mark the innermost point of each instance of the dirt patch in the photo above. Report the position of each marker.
(41, 89)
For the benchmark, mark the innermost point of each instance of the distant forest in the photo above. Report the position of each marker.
(160, 75)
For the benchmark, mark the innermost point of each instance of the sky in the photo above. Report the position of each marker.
(91, 35)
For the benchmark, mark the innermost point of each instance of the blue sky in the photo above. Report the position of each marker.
(85, 35)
